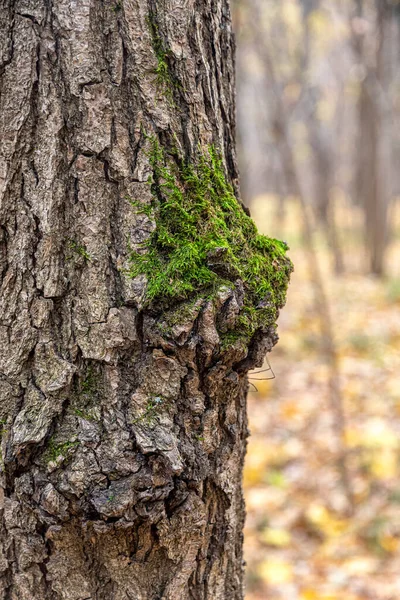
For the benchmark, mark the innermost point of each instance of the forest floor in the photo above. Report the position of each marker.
(301, 542)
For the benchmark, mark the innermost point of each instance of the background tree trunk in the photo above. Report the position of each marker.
(122, 445)
(374, 149)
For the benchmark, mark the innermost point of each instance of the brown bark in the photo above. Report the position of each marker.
(103, 497)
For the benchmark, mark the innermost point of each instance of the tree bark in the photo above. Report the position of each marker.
(122, 437)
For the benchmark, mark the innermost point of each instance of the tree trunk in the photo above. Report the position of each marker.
(373, 178)
(123, 381)
(323, 158)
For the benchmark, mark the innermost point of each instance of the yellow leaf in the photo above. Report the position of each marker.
(384, 464)
(321, 518)
(377, 433)
(309, 595)
(263, 386)
(275, 571)
(276, 537)
(261, 455)
(389, 543)
(256, 462)
(290, 410)
(352, 437)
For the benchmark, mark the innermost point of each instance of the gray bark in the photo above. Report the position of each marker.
(104, 494)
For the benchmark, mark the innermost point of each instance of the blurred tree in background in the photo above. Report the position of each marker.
(336, 86)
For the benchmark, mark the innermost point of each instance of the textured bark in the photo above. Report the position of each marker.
(122, 446)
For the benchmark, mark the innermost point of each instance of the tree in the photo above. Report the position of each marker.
(136, 294)
(374, 148)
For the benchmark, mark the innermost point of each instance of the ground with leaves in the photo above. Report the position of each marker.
(300, 542)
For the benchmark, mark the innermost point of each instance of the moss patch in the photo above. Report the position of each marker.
(55, 451)
(204, 240)
(152, 409)
(78, 249)
(85, 401)
(164, 79)
(88, 386)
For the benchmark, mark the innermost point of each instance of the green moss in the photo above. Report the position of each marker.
(164, 78)
(150, 412)
(204, 239)
(139, 207)
(3, 430)
(88, 385)
(239, 336)
(85, 414)
(86, 392)
(55, 450)
(78, 249)
(180, 314)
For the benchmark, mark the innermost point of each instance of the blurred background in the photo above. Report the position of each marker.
(319, 147)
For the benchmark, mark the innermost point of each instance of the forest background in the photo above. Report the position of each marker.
(319, 148)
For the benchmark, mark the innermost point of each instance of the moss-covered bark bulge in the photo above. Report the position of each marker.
(130, 313)
(204, 242)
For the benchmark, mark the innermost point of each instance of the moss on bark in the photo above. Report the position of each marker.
(204, 240)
